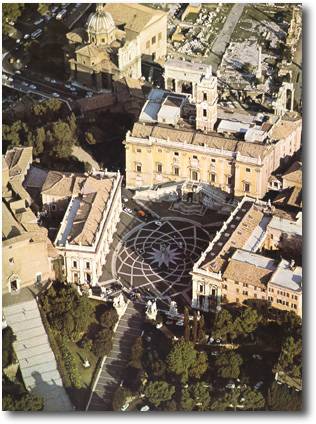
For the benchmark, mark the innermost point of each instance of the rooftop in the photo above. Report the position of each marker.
(136, 17)
(250, 268)
(286, 226)
(86, 211)
(287, 276)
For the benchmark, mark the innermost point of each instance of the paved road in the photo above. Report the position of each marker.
(35, 356)
(116, 362)
(223, 38)
(84, 156)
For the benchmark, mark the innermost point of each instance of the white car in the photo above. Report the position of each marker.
(158, 223)
(258, 385)
(53, 81)
(230, 386)
(33, 87)
(24, 83)
(55, 95)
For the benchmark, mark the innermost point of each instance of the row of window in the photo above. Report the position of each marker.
(283, 293)
(194, 174)
(282, 302)
(247, 285)
(153, 40)
(75, 265)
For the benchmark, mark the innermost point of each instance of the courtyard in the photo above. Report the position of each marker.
(156, 257)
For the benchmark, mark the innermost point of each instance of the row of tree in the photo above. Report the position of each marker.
(51, 130)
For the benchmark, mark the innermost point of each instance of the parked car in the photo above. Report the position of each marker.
(33, 87)
(55, 95)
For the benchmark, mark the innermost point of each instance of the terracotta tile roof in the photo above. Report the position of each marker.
(18, 159)
(62, 184)
(93, 200)
(135, 16)
(294, 173)
(233, 237)
(213, 140)
(284, 127)
(247, 273)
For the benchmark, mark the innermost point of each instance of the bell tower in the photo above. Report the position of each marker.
(206, 103)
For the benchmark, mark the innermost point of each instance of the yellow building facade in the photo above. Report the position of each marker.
(156, 154)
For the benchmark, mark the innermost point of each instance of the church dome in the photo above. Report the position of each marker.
(100, 22)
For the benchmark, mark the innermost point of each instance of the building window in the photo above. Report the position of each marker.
(38, 278)
(75, 279)
(87, 265)
(245, 285)
(176, 170)
(201, 288)
(237, 299)
(153, 40)
(245, 293)
(229, 179)
(237, 290)
(194, 157)
(248, 170)
(147, 44)
(138, 168)
(74, 264)
(195, 176)
(138, 150)
(246, 187)
(213, 160)
(225, 286)
(204, 113)
(213, 178)
(159, 36)
(159, 168)
(14, 286)
(11, 260)
(176, 153)
(103, 40)
(88, 277)
(54, 207)
(205, 96)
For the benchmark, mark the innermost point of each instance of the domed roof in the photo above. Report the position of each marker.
(100, 22)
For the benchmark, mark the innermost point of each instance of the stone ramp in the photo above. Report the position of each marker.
(112, 372)
(36, 358)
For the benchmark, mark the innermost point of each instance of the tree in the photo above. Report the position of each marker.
(10, 13)
(228, 364)
(290, 359)
(201, 395)
(186, 401)
(280, 398)
(253, 399)
(181, 358)
(119, 398)
(109, 318)
(43, 8)
(39, 140)
(186, 324)
(90, 138)
(102, 343)
(195, 328)
(200, 366)
(24, 402)
(159, 391)
(223, 325)
(170, 406)
(201, 330)
(61, 139)
(137, 354)
(248, 321)
(8, 338)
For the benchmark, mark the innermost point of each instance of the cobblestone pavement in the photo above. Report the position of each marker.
(134, 261)
(112, 372)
